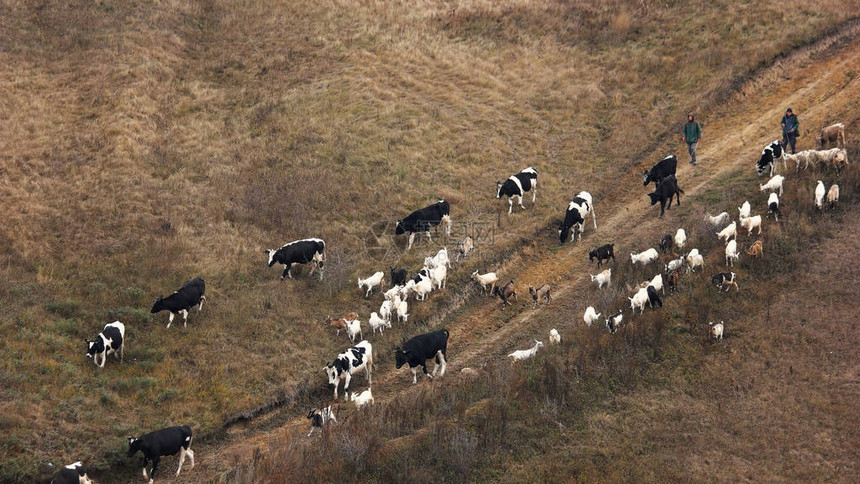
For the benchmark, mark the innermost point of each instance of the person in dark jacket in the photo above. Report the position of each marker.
(691, 134)
(790, 126)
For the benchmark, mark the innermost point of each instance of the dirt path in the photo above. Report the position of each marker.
(815, 88)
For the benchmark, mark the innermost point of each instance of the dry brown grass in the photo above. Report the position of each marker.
(145, 144)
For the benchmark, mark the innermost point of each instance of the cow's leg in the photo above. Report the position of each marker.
(368, 370)
(510, 205)
(169, 321)
(200, 303)
(346, 385)
(312, 430)
(534, 190)
(287, 272)
(520, 200)
(145, 461)
(122, 351)
(154, 467)
(414, 375)
(190, 454)
(444, 363)
(446, 219)
(184, 318)
(411, 239)
(182, 452)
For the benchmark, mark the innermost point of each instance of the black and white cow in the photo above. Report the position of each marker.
(72, 474)
(421, 348)
(517, 186)
(155, 445)
(665, 190)
(303, 251)
(772, 152)
(421, 221)
(574, 218)
(661, 170)
(604, 252)
(110, 340)
(350, 361)
(191, 294)
(398, 276)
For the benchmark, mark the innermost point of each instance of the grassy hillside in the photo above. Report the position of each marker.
(144, 144)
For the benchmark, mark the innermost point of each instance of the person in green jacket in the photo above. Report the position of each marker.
(692, 134)
(790, 125)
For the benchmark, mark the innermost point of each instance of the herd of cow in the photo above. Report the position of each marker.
(433, 346)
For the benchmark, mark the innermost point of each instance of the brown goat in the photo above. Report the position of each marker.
(756, 249)
(505, 292)
(833, 133)
(340, 323)
(540, 293)
(672, 279)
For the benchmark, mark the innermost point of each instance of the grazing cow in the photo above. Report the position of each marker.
(665, 190)
(303, 251)
(772, 152)
(505, 292)
(517, 185)
(820, 191)
(604, 277)
(667, 243)
(488, 279)
(835, 133)
(717, 330)
(362, 399)
(353, 360)
(421, 220)
(320, 418)
(191, 294)
(421, 348)
(520, 355)
(653, 297)
(773, 206)
(167, 441)
(554, 336)
(732, 253)
(543, 292)
(604, 252)
(72, 474)
(464, 247)
(110, 340)
(577, 211)
(590, 316)
(613, 322)
(398, 276)
(373, 281)
(833, 195)
(661, 170)
(755, 249)
(725, 280)
(672, 280)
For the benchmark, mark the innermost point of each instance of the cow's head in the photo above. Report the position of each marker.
(95, 346)
(271, 254)
(563, 232)
(645, 177)
(331, 372)
(133, 445)
(398, 228)
(158, 305)
(401, 358)
(655, 197)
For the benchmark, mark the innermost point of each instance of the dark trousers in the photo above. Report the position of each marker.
(789, 139)
(691, 148)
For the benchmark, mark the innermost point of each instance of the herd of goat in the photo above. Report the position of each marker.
(433, 276)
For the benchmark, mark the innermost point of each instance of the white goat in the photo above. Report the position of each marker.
(554, 337)
(730, 231)
(439, 275)
(645, 257)
(353, 328)
(386, 309)
(675, 264)
(717, 330)
(820, 191)
(520, 355)
(744, 210)
(833, 195)
(438, 260)
(639, 300)
(377, 322)
(657, 282)
(362, 399)
(773, 184)
(604, 277)
(718, 219)
(750, 223)
(371, 282)
(732, 253)
(423, 288)
(695, 261)
(590, 316)
(488, 279)
(407, 289)
(680, 238)
(401, 307)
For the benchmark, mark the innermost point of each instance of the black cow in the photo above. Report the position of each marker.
(653, 297)
(398, 276)
(665, 190)
(421, 348)
(666, 243)
(661, 170)
(421, 221)
(72, 474)
(602, 253)
(517, 186)
(110, 340)
(191, 294)
(298, 252)
(167, 441)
